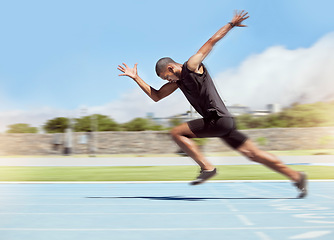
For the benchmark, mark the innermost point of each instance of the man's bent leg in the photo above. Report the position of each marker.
(249, 149)
(181, 135)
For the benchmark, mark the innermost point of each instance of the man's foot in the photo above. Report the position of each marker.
(203, 176)
(302, 185)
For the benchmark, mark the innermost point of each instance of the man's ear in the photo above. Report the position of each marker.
(170, 68)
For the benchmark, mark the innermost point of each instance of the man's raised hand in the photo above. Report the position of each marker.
(130, 72)
(238, 18)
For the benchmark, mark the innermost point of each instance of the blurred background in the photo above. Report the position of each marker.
(60, 92)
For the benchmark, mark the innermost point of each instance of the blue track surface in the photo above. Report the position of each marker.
(159, 211)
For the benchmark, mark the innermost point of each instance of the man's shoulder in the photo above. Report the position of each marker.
(186, 70)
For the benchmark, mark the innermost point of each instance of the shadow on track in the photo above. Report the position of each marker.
(180, 198)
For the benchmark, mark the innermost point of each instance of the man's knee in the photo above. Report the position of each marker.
(181, 130)
(249, 150)
(174, 132)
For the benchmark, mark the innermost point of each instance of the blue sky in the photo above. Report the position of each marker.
(64, 54)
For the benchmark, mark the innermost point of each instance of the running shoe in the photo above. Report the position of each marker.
(302, 185)
(203, 176)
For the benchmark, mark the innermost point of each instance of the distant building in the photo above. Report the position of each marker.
(271, 109)
(260, 113)
(237, 110)
(274, 108)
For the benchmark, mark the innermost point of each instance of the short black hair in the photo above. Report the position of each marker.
(162, 64)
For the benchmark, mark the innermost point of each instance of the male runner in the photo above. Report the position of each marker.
(196, 84)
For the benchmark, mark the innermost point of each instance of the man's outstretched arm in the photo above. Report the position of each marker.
(154, 94)
(195, 61)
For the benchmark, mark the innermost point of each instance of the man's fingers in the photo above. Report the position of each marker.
(242, 13)
(121, 68)
(239, 13)
(125, 65)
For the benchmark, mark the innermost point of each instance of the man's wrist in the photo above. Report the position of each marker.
(231, 24)
(136, 78)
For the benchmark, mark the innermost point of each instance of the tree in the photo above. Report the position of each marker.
(21, 128)
(141, 124)
(175, 122)
(247, 121)
(106, 123)
(98, 121)
(56, 125)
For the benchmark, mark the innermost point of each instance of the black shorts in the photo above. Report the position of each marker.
(222, 127)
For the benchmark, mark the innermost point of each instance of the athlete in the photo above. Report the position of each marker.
(196, 84)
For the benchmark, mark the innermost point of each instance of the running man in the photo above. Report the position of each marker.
(196, 84)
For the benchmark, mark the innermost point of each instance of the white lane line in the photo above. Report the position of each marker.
(106, 204)
(324, 196)
(262, 236)
(245, 220)
(120, 213)
(141, 182)
(135, 182)
(163, 229)
(319, 221)
(310, 235)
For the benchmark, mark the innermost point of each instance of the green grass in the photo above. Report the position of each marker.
(210, 154)
(153, 173)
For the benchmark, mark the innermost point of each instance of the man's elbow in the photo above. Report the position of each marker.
(156, 98)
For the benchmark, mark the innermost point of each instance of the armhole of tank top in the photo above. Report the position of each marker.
(200, 74)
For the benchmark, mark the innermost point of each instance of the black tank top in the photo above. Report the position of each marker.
(202, 93)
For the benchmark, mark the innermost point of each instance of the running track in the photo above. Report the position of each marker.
(262, 210)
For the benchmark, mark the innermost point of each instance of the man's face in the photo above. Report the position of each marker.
(169, 75)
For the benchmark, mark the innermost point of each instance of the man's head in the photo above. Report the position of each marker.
(167, 69)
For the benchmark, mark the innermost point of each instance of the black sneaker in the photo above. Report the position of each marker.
(302, 185)
(203, 176)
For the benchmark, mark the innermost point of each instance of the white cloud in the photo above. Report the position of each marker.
(283, 76)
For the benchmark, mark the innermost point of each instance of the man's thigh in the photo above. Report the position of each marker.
(215, 127)
(183, 130)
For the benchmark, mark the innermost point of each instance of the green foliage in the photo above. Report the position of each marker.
(141, 124)
(173, 122)
(99, 122)
(21, 128)
(262, 141)
(56, 125)
(248, 121)
(200, 141)
(157, 128)
(96, 122)
(151, 173)
(304, 115)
